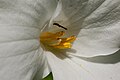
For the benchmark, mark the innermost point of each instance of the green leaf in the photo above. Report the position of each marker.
(49, 77)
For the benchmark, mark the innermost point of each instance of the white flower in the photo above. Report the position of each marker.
(28, 53)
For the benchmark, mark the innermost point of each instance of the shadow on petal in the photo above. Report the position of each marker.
(108, 59)
(62, 53)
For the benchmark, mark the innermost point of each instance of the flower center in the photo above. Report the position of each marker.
(56, 40)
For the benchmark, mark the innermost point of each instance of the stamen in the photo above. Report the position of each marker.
(51, 36)
(65, 45)
(59, 25)
(54, 40)
(69, 39)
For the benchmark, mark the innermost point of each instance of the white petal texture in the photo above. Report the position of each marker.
(94, 54)
(96, 24)
(80, 68)
(20, 25)
(65, 69)
(101, 67)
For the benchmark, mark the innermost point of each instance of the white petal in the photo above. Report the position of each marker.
(98, 41)
(43, 69)
(29, 12)
(100, 68)
(81, 68)
(50, 26)
(95, 22)
(19, 67)
(20, 25)
(56, 13)
(63, 68)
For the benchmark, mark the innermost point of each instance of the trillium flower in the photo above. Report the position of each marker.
(73, 39)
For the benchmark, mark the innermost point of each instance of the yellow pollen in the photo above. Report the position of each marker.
(55, 40)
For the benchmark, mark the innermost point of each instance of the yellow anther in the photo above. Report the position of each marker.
(63, 45)
(59, 34)
(69, 39)
(46, 36)
(54, 40)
